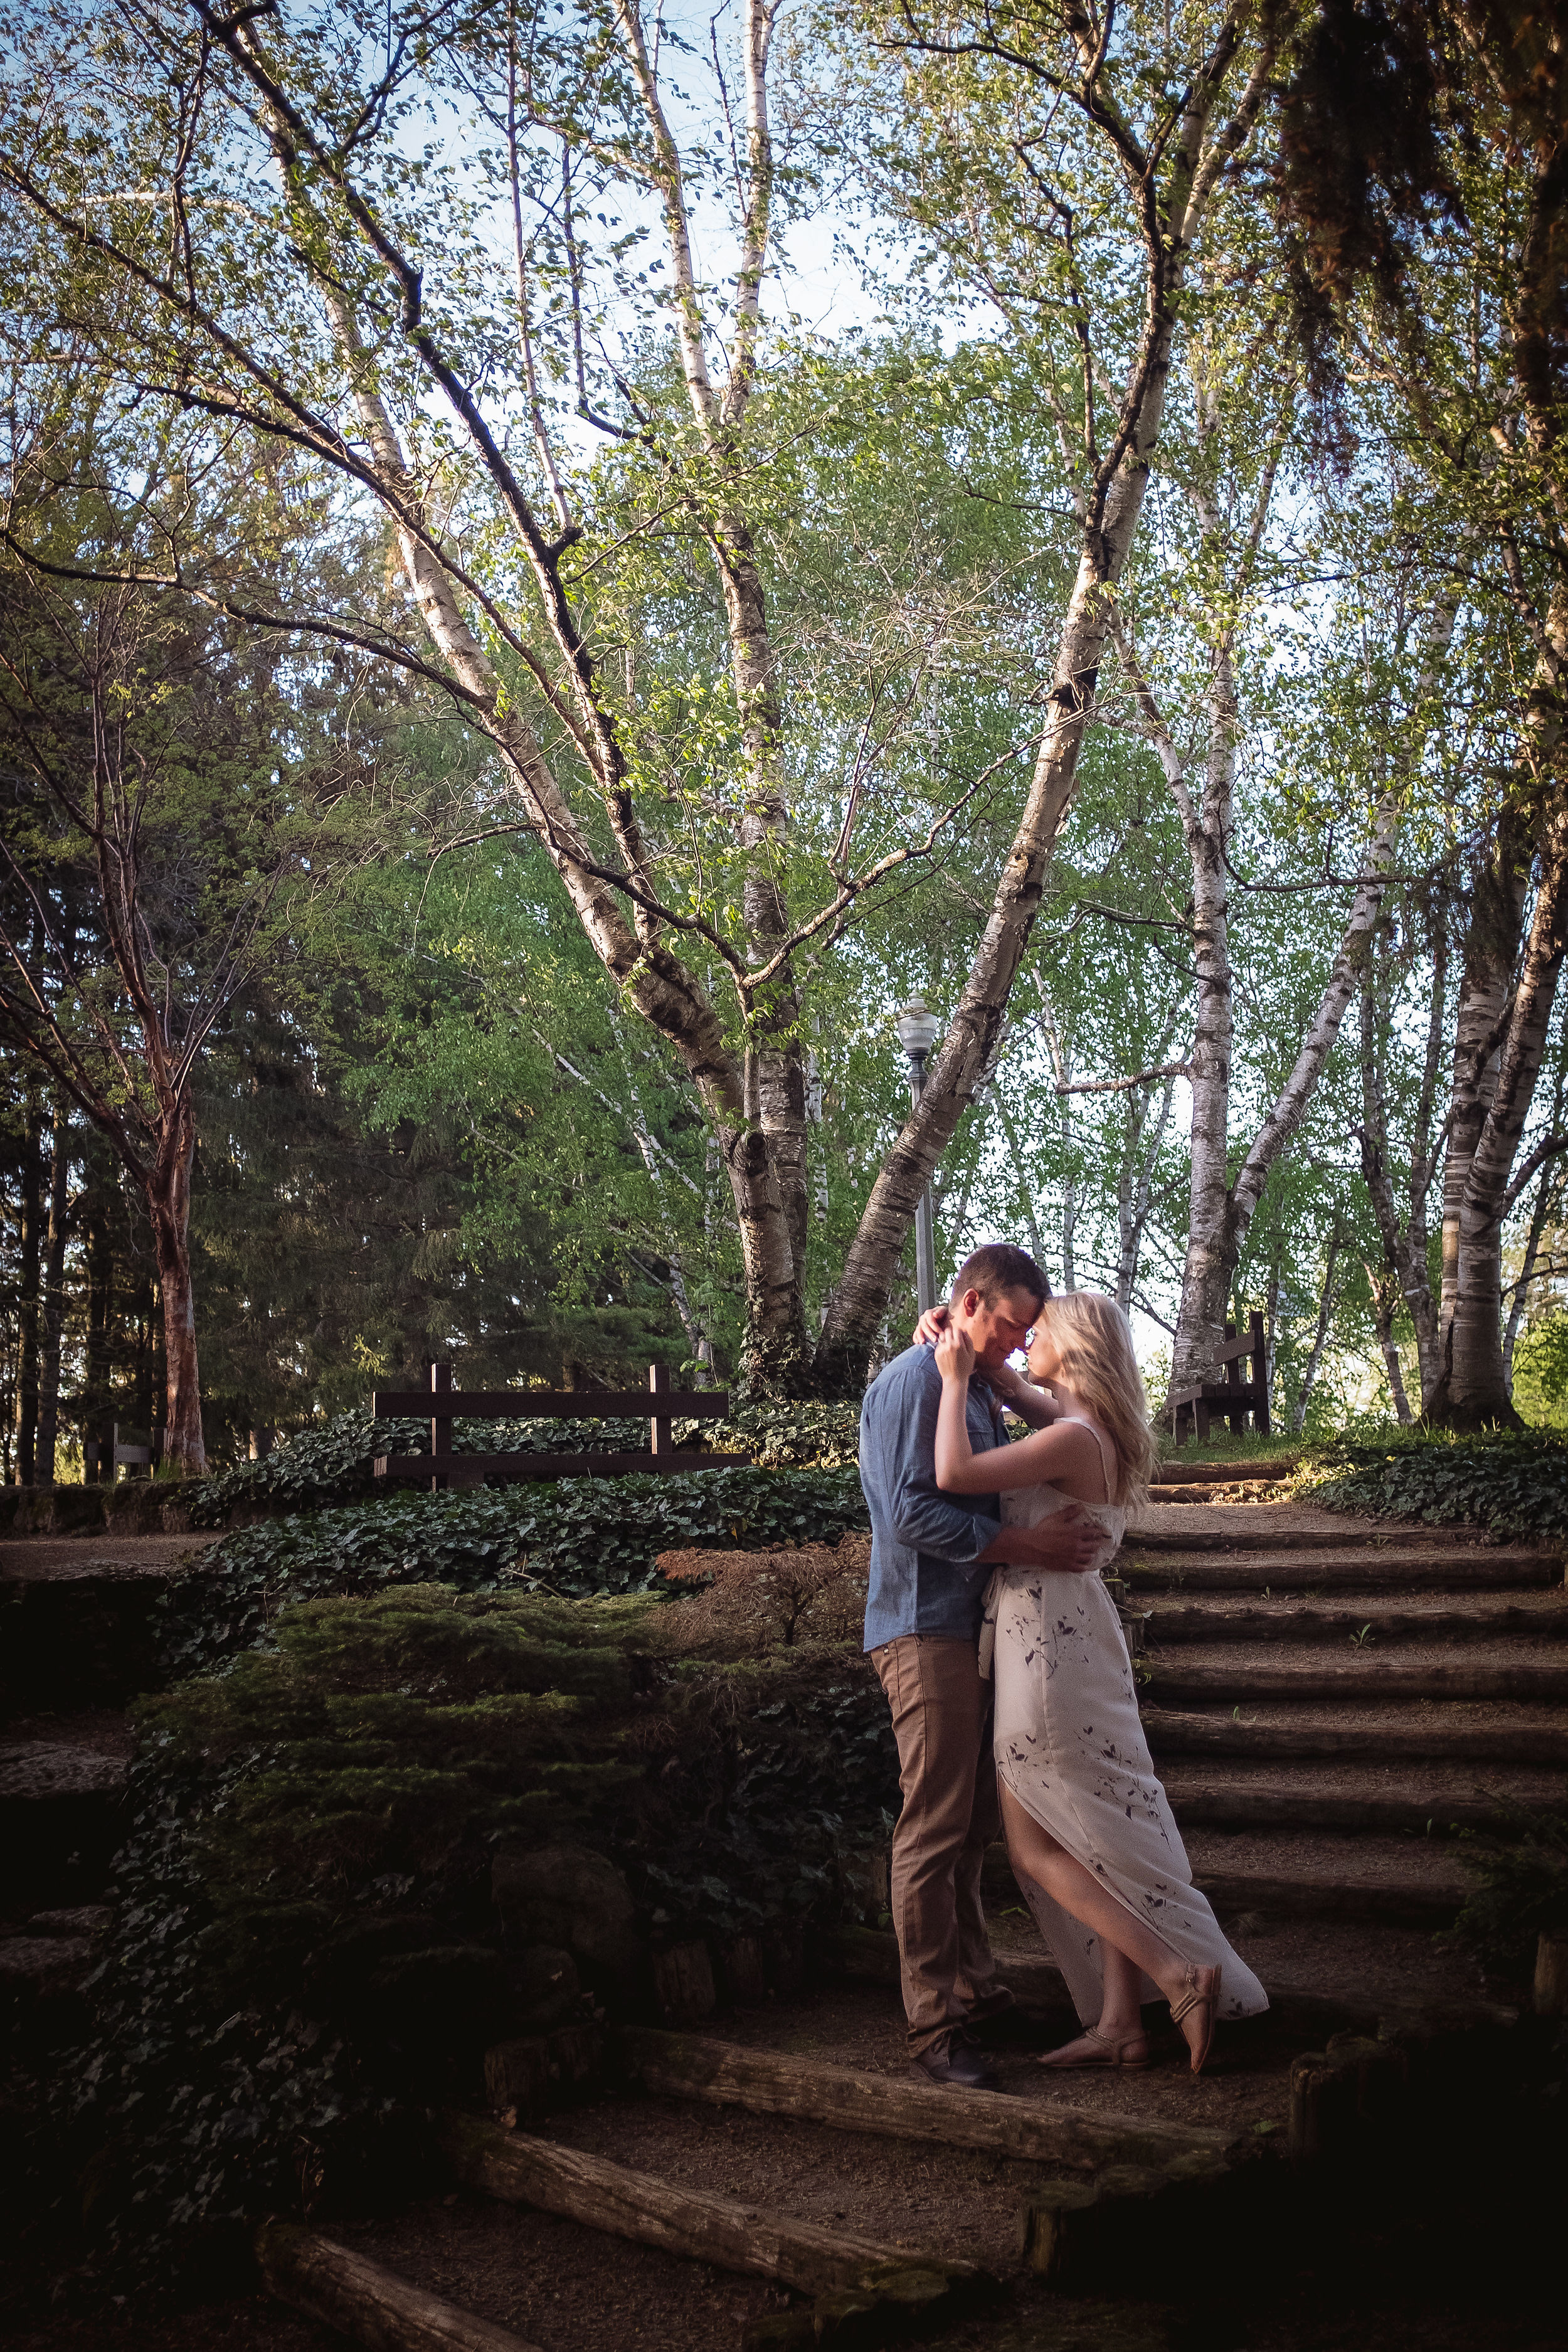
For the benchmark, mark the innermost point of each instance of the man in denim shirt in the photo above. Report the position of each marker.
(931, 1557)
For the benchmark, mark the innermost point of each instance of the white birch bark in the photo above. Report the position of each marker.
(771, 1218)
(1327, 1300)
(1172, 196)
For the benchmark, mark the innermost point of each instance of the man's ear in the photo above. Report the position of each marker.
(970, 1305)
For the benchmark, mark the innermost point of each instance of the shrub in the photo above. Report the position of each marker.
(335, 1462)
(309, 1865)
(1518, 1887)
(770, 1597)
(808, 1436)
(572, 1537)
(1513, 1483)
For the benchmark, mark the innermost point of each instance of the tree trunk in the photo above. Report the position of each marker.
(1473, 1390)
(660, 986)
(97, 1417)
(1403, 1245)
(1222, 1215)
(1213, 1243)
(169, 1207)
(52, 1320)
(1384, 1289)
(1135, 1178)
(1026, 1186)
(28, 1301)
(1320, 1336)
(1491, 951)
(860, 1299)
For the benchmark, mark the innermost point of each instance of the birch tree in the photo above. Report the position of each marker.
(1232, 445)
(508, 348)
(1041, 150)
(1464, 114)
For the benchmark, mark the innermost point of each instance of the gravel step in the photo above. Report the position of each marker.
(1424, 1740)
(43, 1965)
(1323, 1875)
(1291, 1896)
(61, 1808)
(1486, 1618)
(1168, 1527)
(1351, 1677)
(78, 1618)
(1363, 1567)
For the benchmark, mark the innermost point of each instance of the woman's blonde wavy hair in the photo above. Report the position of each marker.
(1094, 1340)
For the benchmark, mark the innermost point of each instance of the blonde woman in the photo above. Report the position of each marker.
(1089, 1833)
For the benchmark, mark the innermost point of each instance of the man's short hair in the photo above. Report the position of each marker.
(998, 1268)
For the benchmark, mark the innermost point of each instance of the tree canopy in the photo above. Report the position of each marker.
(550, 702)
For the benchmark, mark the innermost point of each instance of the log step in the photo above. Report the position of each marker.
(1540, 1745)
(1237, 1804)
(1487, 1619)
(1212, 1491)
(81, 1633)
(1231, 1892)
(359, 2298)
(1292, 1526)
(1352, 1678)
(702, 2227)
(1309, 1570)
(770, 2081)
(1174, 1472)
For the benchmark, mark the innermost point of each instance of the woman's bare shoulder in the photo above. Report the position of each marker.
(1067, 1449)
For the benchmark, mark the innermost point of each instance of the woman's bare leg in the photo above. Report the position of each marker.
(1129, 1950)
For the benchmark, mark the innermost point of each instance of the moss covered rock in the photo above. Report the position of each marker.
(576, 1899)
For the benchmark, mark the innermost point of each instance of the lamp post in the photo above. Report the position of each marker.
(918, 1030)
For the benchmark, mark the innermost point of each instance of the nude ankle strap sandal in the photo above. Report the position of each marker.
(1114, 2052)
(1201, 1991)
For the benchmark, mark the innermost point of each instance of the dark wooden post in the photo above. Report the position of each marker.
(440, 1431)
(659, 1427)
(1260, 1374)
(1233, 1419)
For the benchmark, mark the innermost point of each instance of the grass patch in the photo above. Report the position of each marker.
(1250, 1446)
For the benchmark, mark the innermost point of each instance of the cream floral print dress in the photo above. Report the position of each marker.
(1070, 1746)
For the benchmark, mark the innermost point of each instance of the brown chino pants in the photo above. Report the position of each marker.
(942, 1721)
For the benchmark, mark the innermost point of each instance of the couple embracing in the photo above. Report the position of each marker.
(1012, 1694)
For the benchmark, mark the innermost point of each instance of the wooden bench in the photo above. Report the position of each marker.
(1232, 1399)
(120, 1456)
(445, 1404)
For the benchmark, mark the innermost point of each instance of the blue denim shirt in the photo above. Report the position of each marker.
(924, 1544)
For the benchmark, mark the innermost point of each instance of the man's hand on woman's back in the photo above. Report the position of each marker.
(1067, 1544)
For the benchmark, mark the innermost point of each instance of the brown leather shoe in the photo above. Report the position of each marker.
(955, 2063)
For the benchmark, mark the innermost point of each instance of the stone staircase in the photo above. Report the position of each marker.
(1331, 1702)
